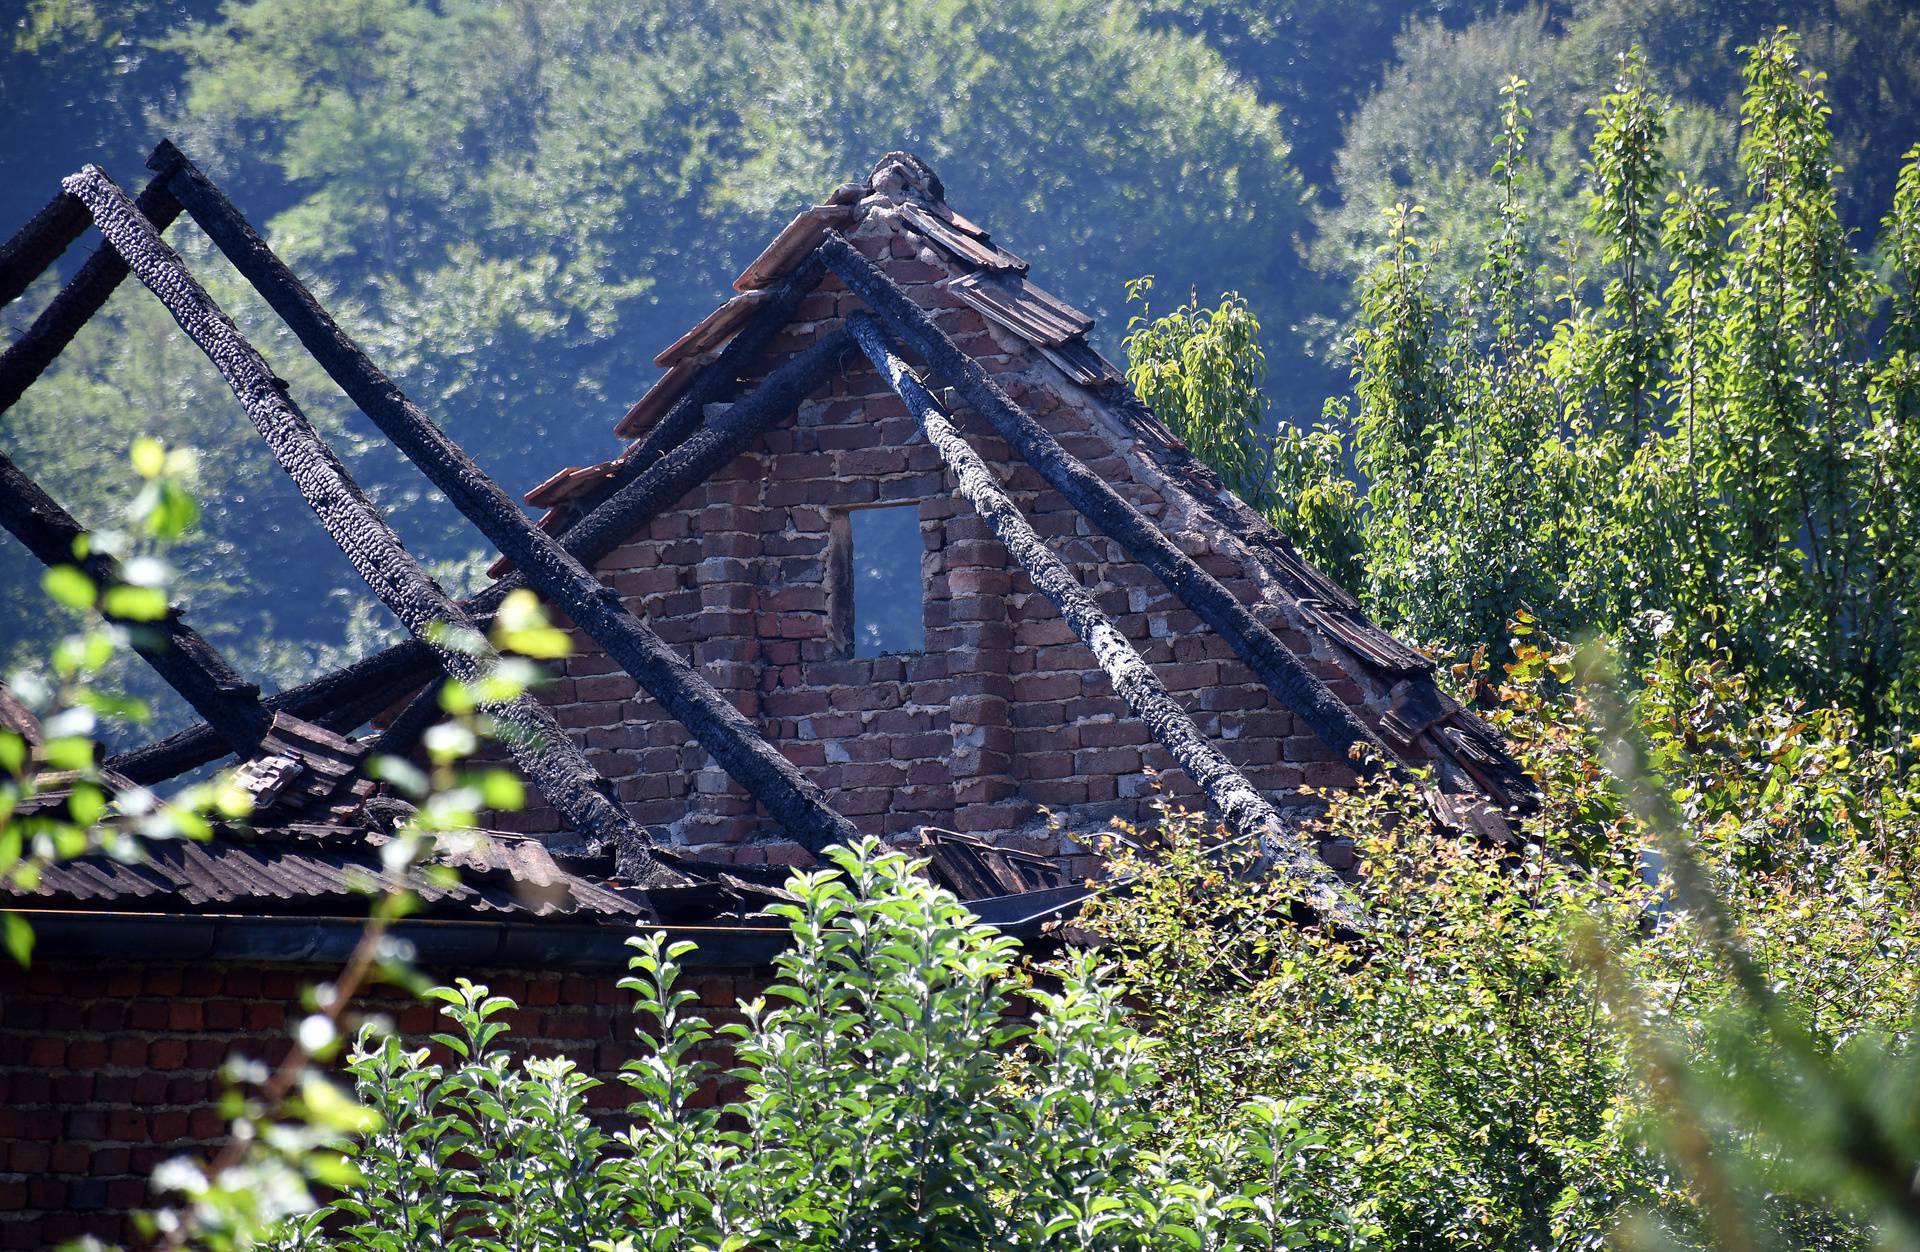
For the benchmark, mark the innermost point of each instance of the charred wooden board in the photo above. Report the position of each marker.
(29, 355)
(39, 244)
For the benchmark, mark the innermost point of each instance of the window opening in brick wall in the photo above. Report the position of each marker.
(882, 595)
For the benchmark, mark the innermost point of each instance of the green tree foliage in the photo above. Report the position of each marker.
(1713, 434)
(1420, 136)
(1203, 372)
(514, 206)
(1493, 1063)
(889, 1095)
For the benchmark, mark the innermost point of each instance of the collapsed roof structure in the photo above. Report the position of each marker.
(876, 279)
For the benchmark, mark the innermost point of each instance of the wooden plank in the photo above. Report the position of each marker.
(550, 760)
(37, 347)
(39, 244)
(1238, 804)
(177, 652)
(1283, 673)
(560, 578)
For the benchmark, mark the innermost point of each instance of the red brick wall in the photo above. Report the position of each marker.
(104, 1073)
(1005, 713)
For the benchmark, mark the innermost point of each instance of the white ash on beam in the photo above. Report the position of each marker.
(539, 747)
(1277, 667)
(1244, 811)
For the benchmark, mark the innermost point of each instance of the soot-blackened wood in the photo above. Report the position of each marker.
(1278, 668)
(706, 451)
(39, 244)
(385, 676)
(413, 721)
(1244, 811)
(541, 749)
(733, 742)
(29, 355)
(177, 652)
(339, 701)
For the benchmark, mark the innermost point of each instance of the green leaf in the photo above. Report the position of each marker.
(19, 937)
(69, 586)
(138, 604)
(149, 457)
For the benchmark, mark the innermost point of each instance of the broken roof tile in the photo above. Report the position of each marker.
(1078, 360)
(714, 329)
(800, 237)
(1360, 636)
(570, 482)
(975, 251)
(1035, 315)
(659, 398)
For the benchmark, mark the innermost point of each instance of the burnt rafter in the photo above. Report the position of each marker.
(83, 296)
(1246, 814)
(546, 565)
(39, 244)
(177, 652)
(371, 684)
(541, 749)
(1278, 668)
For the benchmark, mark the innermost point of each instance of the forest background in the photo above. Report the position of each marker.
(515, 204)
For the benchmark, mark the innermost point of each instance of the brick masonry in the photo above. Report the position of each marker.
(1004, 726)
(106, 1073)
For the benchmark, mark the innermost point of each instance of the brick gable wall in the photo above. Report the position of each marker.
(1005, 717)
(105, 1073)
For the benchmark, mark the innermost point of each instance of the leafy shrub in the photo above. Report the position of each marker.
(1478, 1065)
(890, 1096)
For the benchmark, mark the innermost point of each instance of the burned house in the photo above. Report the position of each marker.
(891, 422)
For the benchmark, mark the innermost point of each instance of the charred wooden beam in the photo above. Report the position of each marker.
(338, 701)
(177, 652)
(39, 244)
(540, 748)
(376, 681)
(1279, 669)
(405, 731)
(29, 355)
(733, 742)
(706, 451)
(1244, 811)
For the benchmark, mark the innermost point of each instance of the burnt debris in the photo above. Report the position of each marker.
(299, 757)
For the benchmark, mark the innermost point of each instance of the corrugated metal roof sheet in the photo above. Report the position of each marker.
(499, 874)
